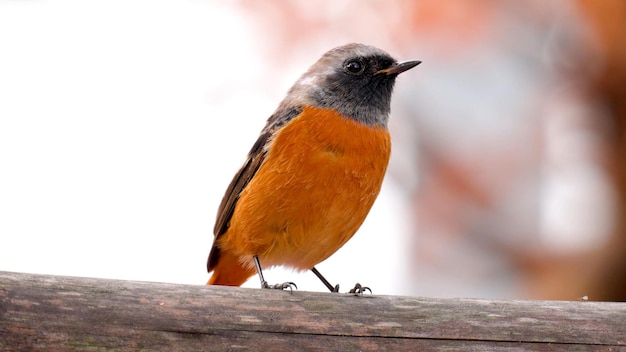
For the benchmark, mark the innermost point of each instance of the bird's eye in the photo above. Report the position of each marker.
(354, 67)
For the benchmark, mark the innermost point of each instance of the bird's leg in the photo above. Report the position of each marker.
(324, 281)
(357, 290)
(264, 284)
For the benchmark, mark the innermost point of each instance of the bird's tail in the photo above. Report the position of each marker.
(230, 272)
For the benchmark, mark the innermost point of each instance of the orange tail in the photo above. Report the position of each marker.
(230, 272)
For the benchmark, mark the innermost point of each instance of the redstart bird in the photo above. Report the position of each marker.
(314, 173)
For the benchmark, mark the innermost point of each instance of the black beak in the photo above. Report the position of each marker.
(400, 67)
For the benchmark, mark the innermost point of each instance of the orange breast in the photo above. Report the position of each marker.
(318, 182)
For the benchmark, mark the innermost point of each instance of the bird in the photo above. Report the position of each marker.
(314, 172)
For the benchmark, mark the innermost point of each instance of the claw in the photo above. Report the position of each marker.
(283, 286)
(359, 290)
(264, 284)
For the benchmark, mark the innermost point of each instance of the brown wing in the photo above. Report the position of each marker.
(239, 182)
(243, 177)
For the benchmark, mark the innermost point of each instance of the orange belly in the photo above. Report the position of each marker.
(319, 180)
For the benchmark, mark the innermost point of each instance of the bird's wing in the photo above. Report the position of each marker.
(237, 185)
(255, 159)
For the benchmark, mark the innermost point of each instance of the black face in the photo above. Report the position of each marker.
(360, 66)
(356, 89)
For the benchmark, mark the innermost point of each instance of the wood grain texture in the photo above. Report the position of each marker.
(53, 313)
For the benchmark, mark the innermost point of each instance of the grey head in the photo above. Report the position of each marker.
(355, 80)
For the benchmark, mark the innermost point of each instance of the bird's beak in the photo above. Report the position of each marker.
(398, 68)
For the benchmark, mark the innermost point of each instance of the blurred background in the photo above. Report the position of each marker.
(122, 123)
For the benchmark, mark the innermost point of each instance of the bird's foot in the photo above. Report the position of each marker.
(283, 286)
(359, 290)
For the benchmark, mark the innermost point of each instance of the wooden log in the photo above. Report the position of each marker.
(54, 313)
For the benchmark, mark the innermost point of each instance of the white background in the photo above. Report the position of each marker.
(122, 123)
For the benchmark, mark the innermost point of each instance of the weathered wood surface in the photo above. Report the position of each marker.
(53, 313)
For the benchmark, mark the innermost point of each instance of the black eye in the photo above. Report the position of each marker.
(354, 66)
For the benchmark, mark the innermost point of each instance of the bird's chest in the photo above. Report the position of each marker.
(319, 180)
(324, 158)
